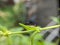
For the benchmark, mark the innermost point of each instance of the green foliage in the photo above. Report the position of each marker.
(15, 36)
(2, 28)
(56, 19)
(27, 27)
(10, 15)
(12, 35)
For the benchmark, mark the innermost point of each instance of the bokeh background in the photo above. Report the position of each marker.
(30, 12)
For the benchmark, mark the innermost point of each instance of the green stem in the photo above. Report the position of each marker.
(20, 37)
(32, 38)
(9, 40)
(22, 32)
(33, 35)
(45, 28)
(50, 27)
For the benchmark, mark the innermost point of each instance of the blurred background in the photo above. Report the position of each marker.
(34, 11)
(31, 12)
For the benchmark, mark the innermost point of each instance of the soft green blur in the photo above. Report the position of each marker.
(10, 17)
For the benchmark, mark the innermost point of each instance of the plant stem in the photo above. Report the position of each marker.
(9, 40)
(22, 32)
(50, 27)
(32, 38)
(20, 37)
(33, 35)
(45, 28)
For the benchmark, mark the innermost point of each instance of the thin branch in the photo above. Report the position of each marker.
(50, 27)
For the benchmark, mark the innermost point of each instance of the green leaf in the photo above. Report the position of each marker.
(16, 29)
(56, 19)
(3, 28)
(29, 27)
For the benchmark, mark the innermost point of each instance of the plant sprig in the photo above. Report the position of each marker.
(34, 29)
(28, 29)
